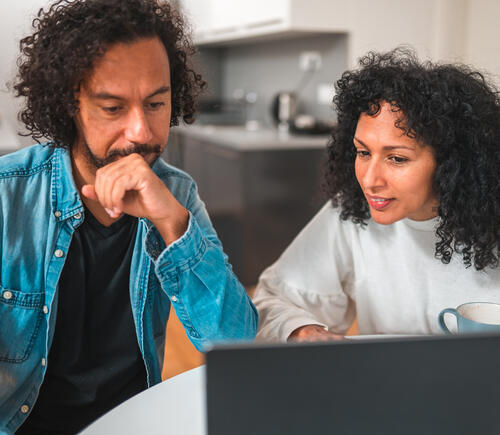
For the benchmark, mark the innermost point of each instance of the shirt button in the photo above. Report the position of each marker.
(58, 253)
(78, 216)
(174, 298)
(7, 295)
(25, 409)
(45, 309)
(44, 362)
(57, 214)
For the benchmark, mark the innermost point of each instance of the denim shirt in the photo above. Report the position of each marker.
(39, 210)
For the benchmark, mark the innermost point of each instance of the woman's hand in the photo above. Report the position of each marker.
(313, 333)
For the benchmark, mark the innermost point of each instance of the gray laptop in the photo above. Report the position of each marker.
(422, 385)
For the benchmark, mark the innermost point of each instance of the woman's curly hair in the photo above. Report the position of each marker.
(71, 35)
(451, 108)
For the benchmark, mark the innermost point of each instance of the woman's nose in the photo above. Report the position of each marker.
(373, 176)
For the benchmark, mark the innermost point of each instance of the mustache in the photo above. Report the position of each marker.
(95, 162)
(139, 148)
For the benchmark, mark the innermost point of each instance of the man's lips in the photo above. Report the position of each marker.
(377, 202)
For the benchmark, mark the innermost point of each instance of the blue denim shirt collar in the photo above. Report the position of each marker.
(65, 199)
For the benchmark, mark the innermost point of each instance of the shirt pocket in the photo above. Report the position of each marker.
(20, 319)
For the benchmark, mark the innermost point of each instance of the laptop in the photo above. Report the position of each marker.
(420, 385)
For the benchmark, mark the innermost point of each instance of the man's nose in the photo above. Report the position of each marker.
(137, 129)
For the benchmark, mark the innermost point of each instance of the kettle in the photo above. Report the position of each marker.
(284, 109)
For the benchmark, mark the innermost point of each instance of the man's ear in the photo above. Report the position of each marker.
(76, 96)
(76, 105)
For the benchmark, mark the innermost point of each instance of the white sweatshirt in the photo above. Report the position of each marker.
(386, 275)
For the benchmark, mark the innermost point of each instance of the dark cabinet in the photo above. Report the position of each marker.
(258, 200)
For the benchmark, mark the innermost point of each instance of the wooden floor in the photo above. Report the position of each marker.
(181, 355)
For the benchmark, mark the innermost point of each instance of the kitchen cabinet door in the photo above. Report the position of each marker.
(227, 16)
(221, 19)
(258, 201)
(261, 13)
(199, 15)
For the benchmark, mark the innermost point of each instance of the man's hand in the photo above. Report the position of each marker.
(130, 186)
(313, 333)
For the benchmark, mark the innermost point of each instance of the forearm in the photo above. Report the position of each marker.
(174, 227)
(279, 317)
(208, 298)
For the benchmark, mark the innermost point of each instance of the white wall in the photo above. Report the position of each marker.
(450, 30)
(482, 39)
(433, 27)
(454, 30)
(15, 22)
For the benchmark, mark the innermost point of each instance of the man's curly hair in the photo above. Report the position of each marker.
(449, 107)
(68, 39)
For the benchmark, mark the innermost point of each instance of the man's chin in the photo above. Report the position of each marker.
(150, 156)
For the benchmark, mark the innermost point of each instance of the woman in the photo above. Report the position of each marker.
(413, 221)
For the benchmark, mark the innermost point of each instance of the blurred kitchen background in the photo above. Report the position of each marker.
(258, 145)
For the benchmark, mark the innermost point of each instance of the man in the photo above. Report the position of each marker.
(98, 236)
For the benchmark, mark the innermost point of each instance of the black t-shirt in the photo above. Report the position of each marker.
(94, 362)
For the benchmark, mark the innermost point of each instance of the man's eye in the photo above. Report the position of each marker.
(111, 109)
(156, 105)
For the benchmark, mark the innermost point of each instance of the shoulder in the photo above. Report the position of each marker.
(326, 232)
(328, 228)
(329, 220)
(27, 161)
(171, 175)
(180, 183)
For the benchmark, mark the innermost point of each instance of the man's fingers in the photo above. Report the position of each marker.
(89, 192)
(121, 185)
(130, 186)
(112, 186)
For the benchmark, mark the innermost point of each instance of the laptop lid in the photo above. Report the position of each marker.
(424, 385)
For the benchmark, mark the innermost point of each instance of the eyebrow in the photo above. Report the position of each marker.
(108, 96)
(387, 147)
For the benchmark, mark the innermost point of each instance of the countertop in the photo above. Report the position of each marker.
(241, 139)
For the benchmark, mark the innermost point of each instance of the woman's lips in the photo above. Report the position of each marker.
(378, 203)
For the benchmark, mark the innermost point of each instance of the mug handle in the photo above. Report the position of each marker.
(442, 323)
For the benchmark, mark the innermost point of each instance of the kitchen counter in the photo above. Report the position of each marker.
(240, 139)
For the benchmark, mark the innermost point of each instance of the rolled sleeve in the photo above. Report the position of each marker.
(184, 253)
(207, 297)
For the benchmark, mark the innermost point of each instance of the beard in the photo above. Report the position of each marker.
(150, 153)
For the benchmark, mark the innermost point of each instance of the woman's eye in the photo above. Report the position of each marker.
(398, 160)
(362, 153)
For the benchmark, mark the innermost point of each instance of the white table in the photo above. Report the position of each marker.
(176, 406)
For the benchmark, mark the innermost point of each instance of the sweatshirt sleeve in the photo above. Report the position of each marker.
(309, 283)
(194, 272)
